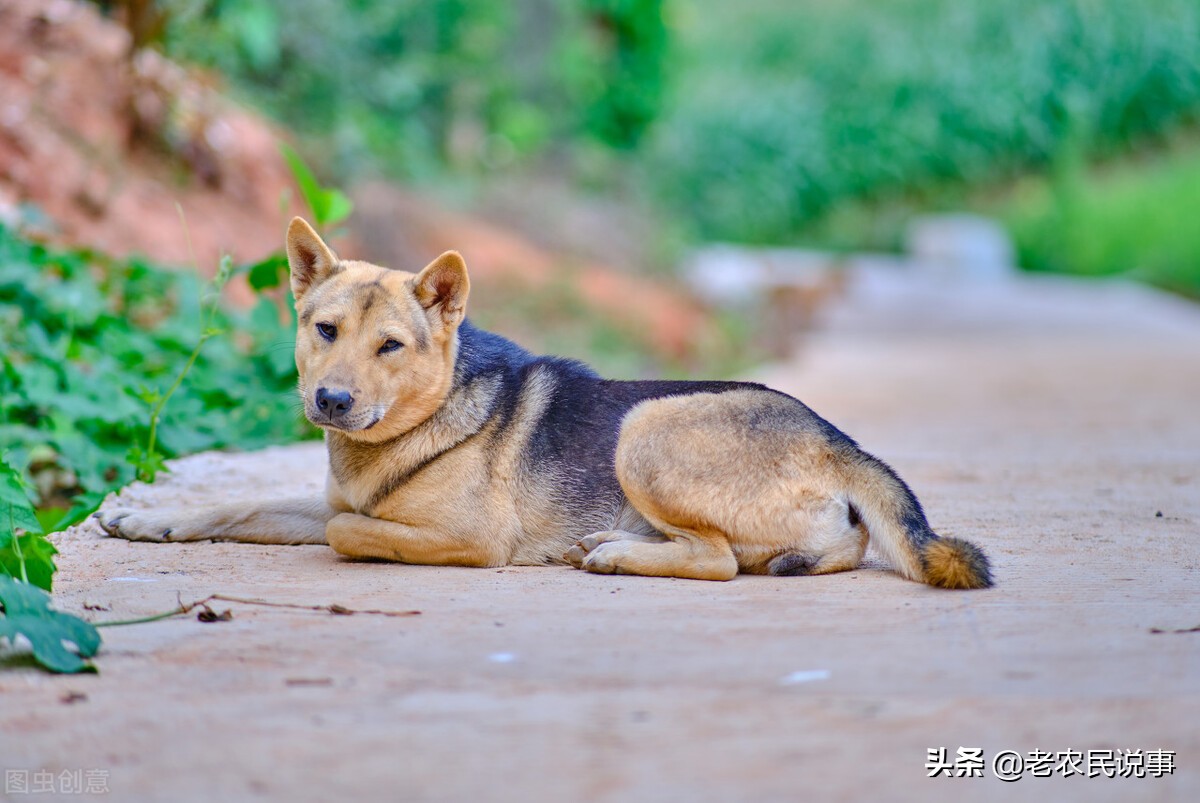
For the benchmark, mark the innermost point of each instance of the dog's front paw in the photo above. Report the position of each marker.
(135, 525)
(576, 554)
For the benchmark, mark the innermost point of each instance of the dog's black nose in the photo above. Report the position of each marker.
(334, 403)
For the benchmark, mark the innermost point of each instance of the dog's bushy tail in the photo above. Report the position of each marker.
(898, 528)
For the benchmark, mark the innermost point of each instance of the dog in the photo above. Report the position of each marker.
(450, 445)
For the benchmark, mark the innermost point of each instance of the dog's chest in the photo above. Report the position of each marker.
(367, 473)
(409, 479)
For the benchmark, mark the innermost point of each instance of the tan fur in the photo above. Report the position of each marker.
(687, 463)
(714, 482)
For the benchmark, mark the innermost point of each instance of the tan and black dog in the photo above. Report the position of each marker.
(451, 445)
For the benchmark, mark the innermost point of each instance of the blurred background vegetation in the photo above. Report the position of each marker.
(764, 121)
(1076, 123)
(416, 87)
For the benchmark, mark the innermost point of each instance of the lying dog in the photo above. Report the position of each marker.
(450, 445)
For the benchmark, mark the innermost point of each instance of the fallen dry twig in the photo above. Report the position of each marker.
(185, 608)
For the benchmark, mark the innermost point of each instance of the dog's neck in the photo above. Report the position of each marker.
(479, 352)
(482, 364)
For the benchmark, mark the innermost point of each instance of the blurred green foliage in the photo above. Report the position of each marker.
(86, 342)
(1132, 216)
(789, 107)
(328, 206)
(422, 83)
(782, 121)
(1138, 218)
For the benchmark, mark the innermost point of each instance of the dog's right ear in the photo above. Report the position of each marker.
(310, 260)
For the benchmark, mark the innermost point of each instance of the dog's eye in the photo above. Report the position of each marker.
(328, 331)
(390, 345)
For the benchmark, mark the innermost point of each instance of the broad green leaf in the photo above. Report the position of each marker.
(328, 206)
(82, 506)
(35, 552)
(309, 188)
(48, 516)
(268, 273)
(15, 509)
(337, 207)
(27, 613)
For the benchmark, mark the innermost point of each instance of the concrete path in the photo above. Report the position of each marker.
(1053, 423)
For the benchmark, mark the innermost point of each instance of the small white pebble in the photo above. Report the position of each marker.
(502, 657)
(804, 676)
(132, 580)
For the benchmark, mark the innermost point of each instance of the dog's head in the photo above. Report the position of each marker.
(374, 347)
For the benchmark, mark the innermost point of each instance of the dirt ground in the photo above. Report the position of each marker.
(1053, 423)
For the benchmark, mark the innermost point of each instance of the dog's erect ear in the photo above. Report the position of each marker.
(311, 261)
(443, 285)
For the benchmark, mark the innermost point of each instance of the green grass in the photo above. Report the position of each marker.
(1139, 218)
(1134, 216)
(786, 109)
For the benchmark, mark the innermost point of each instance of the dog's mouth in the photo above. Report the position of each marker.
(325, 422)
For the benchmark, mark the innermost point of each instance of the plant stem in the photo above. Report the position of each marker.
(207, 316)
(156, 412)
(16, 540)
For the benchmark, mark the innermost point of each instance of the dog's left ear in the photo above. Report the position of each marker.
(443, 285)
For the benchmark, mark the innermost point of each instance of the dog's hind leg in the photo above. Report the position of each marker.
(637, 545)
(576, 554)
(681, 554)
(739, 480)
